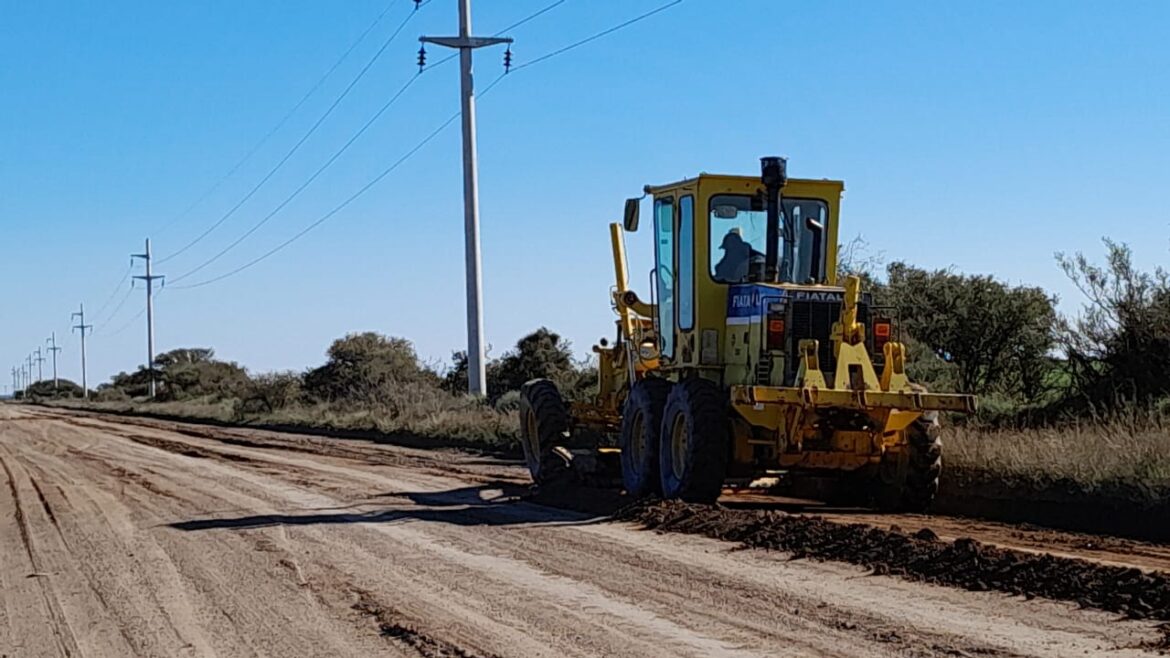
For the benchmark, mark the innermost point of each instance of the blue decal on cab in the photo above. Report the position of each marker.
(750, 299)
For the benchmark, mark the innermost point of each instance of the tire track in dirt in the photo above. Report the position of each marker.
(477, 571)
(243, 619)
(18, 512)
(45, 504)
(63, 634)
(368, 452)
(390, 626)
(122, 474)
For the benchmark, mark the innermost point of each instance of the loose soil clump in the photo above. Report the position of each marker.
(920, 556)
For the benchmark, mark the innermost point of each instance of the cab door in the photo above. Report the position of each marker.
(674, 256)
(664, 273)
(685, 276)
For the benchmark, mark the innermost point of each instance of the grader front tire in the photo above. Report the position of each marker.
(910, 483)
(693, 452)
(925, 463)
(544, 424)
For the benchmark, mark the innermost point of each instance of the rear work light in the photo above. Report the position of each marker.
(882, 330)
(776, 334)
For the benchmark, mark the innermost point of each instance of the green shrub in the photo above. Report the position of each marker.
(269, 392)
(369, 368)
(1118, 349)
(46, 390)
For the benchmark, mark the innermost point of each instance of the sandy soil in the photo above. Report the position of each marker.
(124, 538)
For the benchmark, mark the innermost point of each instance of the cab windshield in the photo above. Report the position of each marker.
(739, 238)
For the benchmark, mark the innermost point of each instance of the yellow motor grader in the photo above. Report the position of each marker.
(749, 361)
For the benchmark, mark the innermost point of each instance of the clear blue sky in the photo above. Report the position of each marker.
(980, 135)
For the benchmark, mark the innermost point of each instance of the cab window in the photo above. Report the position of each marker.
(686, 263)
(739, 230)
(664, 272)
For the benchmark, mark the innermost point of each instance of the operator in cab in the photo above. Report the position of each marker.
(733, 267)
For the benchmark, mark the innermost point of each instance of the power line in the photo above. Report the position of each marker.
(114, 292)
(129, 322)
(522, 21)
(435, 133)
(280, 124)
(302, 140)
(255, 227)
(114, 313)
(597, 36)
(331, 213)
(342, 150)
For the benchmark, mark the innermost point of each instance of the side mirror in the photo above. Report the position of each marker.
(630, 219)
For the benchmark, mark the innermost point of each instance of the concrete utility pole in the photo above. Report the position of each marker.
(29, 364)
(40, 365)
(15, 380)
(476, 375)
(149, 279)
(81, 325)
(53, 349)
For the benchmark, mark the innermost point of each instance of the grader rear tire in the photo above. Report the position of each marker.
(544, 424)
(695, 438)
(910, 482)
(641, 425)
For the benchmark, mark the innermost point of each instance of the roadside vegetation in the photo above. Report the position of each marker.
(368, 382)
(1083, 401)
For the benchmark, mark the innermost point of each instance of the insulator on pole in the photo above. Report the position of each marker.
(508, 59)
(422, 57)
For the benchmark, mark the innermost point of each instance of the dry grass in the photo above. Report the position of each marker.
(1130, 450)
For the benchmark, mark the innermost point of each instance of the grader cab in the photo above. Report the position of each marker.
(749, 362)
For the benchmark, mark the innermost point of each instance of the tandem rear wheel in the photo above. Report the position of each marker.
(640, 436)
(674, 440)
(693, 442)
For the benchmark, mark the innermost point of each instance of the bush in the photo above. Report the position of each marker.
(266, 393)
(508, 402)
(110, 393)
(540, 354)
(1118, 350)
(369, 368)
(45, 390)
(997, 336)
(184, 374)
(196, 379)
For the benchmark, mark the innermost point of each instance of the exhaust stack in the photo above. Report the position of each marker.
(774, 175)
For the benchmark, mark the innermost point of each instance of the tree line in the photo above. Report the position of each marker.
(1010, 345)
(965, 333)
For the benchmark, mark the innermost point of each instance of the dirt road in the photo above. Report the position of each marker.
(122, 538)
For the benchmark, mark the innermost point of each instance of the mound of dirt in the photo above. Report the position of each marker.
(922, 556)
